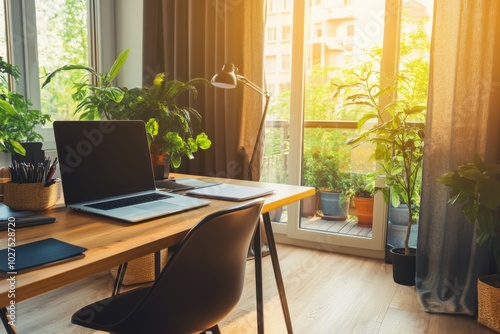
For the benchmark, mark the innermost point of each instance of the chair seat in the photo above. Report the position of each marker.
(106, 314)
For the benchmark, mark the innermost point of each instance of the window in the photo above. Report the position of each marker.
(350, 30)
(271, 34)
(271, 5)
(45, 35)
(286, 33)
(286, 62)
(318, 30)
(3, 40)
(62, 39)
(287, 6)
(271, 63)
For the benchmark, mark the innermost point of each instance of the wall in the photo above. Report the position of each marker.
(128, 32)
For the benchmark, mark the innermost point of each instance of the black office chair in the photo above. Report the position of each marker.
(199, 286)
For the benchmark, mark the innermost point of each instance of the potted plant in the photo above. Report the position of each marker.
(18, 121)
(309, 205)
(333, 184)
(363, 187)
(171, 128)
(399, 140)
(475, 187)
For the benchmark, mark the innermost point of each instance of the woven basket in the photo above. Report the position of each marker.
(488, 303)
(141, 270)
(30, 196)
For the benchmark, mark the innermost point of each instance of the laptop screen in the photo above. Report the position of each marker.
(100, 159)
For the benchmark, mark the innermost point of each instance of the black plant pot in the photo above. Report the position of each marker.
(404, 266)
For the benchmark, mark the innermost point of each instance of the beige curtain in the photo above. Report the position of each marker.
(195, 38)
(463, 118)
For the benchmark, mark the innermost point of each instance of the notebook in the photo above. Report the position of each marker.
(106, 169)
(17, 219)
(38, 253)
(230, 192)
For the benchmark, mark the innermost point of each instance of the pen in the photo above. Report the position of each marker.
(48, 180)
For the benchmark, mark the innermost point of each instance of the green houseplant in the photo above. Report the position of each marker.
(18, 121)
(333, 183)
(398, 138)
(171, 128)
(309, 206)
(475, 187)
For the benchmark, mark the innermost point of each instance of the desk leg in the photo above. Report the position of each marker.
(120, 274)
(258, 280)
(5, 319)
(277, 271)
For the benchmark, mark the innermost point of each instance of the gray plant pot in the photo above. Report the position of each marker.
(331, 205)
(398, 215)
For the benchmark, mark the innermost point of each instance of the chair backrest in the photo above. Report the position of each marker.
(203, 280)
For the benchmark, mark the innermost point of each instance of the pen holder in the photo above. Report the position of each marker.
(30, 196)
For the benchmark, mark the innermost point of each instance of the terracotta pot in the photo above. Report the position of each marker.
(160, 162)
(364, 211)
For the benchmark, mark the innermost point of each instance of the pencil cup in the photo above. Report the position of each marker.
(30, 196)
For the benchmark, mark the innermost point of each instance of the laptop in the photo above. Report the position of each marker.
(106, 169)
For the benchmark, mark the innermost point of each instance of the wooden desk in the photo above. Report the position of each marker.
(111, 242)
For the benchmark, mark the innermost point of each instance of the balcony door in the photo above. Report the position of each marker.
(311, 47)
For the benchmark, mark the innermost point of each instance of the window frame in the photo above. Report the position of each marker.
(22, 46)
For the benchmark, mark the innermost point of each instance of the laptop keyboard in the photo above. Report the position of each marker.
(122, 202)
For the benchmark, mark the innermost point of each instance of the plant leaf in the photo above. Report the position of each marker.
(118, 64)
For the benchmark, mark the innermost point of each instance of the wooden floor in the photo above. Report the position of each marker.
(327, 293)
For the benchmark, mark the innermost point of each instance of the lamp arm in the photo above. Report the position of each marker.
(252, 85)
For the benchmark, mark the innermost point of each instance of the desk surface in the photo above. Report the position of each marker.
(111, 242)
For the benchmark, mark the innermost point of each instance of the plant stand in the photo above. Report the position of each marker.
(488, 298)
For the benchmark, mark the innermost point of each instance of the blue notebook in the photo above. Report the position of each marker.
(22, 218)
(38, 253)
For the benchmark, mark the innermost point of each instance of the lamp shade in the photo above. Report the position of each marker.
(226, 78)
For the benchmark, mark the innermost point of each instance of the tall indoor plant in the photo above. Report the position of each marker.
(397, 137)
(399, 142)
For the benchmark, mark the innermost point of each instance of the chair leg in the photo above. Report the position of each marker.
(214, 330)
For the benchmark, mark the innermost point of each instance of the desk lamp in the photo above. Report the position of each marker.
(228, 78)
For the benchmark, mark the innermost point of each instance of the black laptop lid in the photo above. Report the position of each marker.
(100, 159)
